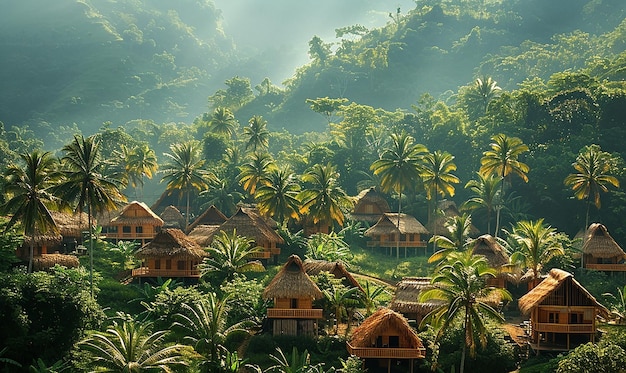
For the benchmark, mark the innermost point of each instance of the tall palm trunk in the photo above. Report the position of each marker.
(31, 254)
(89, 219)
(187, 212)
(398, 226)
(499, 207)
(464, 349)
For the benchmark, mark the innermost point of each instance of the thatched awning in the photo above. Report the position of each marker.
(552, 282)
(292, 282)
(137, 213)
(249, 223)
(388, 224)
(212, 217)
(369, 206)
(172, 218)
(171, 242)
(338, 269)
(599, 243)
(378, 323)
(46, 261)
(487, 246)
(406, 299)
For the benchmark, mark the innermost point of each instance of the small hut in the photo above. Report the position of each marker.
(205, 226)
(136, 222)
(293, 293)
(170, 254)
(487, 246)
(337, 269)
(406, 299)
(386, 339)
(71, 227)
(389, 232)
(562, 313)
(369, 206)
(172, 218)
(601, 252)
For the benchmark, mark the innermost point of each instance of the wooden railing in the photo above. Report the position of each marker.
(607, 267)
(398, 244)
(294, 313)
(564, 328)
(149, 272)
(387, 353)
(260, 255)
(130, 236)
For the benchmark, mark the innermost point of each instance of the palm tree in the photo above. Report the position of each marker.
(370, 296)
(130, 347)
(278, 197)
(205, 326)
(86, 186)
(486, 196)
(484, 90)
(254, 172)
(223, 122)
(257, 134)
(399, 167)
(459, 228)
(341, 298)
(594, 167)
(28, 186)
(141, 162)
(185, 172)
(229, 253)
(437, 176)
(502, 160)
(323, 200)
(222, 195)
(535, 244)
(459, 282)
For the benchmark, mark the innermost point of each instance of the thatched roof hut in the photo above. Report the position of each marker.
(487, 246)
(555, 279)
(71, 224)
(338, 269)
(369, 206)
(388, 224)
(171, 242)
(249, 223)
(46, 261)
(406, 299)
(598, 243)
(379, 323)
(137, 213)
(172, 218)
(292, 282)
(211, 216)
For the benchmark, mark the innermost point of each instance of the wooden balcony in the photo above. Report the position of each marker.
(564, 328)
(129, 236)
(607, 267)
(265, 254)
(398, 244)
(387, 353)
(294, 313)
(149, 272)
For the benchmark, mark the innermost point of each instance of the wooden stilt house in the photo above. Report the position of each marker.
(170, 254)
(136, 222)
(601, 252)
(369, 206)
(386, 339)
(406, 298)
(397, 230)
(293, 293)
(205, 226)
(562, 313)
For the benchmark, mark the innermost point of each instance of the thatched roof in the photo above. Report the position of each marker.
(172, 218)
(171, 242)
(369, 197)
(45, 261)
(49, 239)
(71, 224)
(551, 283)
(137, 213)
(388, 224)
(450, 211)
(211, 216)
(292, 282)
(381, 321)
(407, 294)
(599, 243)
(203, 234)
(249, 223)
(487, 246)
(315, 267)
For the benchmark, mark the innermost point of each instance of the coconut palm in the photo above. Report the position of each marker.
(370, 296)
(459, 228)
(254, 172)
(141, 162)
(437, 176)
(323, 200)
(593, 176)
(229, 253)
(28, 188)
(184, 171)
(502, 160)
(278, 197)
(223, 122)
(535, 243)
(222, 195)
(486, 196)
(399, 167)
(484, 90)
(257, 135)
(459, 282)
(341, 298)
(131, 347)
(86, 186)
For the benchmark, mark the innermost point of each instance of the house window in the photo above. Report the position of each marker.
(168, 264)
(139, 229)
(294, 303)
(576, 318)
(180, 265)
(553, 317)
(126, 229)
(394, 341)
(157, 263)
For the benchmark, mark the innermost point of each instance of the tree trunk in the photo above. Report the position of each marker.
(89, 219)
(31, 253)
(499, 207)
(398, 236)
(187, 211)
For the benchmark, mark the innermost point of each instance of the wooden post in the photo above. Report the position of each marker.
(388, 365)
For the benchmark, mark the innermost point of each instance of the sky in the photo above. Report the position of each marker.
(287, 26)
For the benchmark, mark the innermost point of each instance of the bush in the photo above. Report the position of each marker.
(594, 358)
